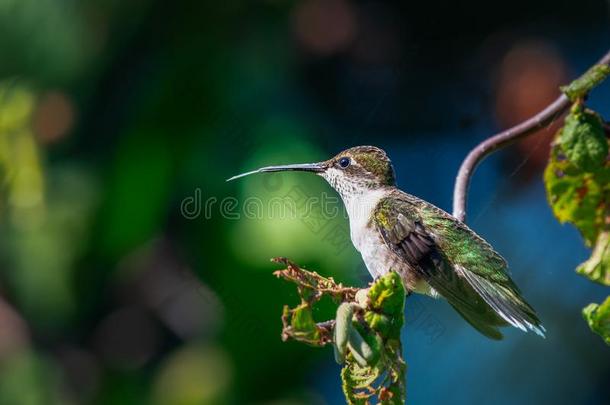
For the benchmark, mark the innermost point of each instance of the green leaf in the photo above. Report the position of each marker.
(356, 380)
(583, 141)
(387, 294)
(598, 318)
(578, 197)
(584, 84)
(378, 322)
(303, 324)
(386, 300)
(597, 268)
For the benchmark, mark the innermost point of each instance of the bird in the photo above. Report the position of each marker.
(434, 253)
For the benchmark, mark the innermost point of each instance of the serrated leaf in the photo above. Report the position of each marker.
(598, 318)
(577, 197)
(597, 268)
(583, 141)
(356, 380)
(387, 297)
(387, 294)
(583, 85)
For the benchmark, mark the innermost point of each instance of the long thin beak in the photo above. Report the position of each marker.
(303, 167)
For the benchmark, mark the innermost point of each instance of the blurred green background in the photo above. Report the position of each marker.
(131, 273)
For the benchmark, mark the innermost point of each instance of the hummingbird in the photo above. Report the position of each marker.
(434, 253)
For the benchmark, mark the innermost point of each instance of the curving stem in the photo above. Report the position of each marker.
(503, 139)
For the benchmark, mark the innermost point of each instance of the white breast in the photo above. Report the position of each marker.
(360, 208)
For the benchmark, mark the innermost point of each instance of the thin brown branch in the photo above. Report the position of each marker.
(501, 140)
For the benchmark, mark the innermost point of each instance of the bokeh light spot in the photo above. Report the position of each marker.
(127, 338)
(324, 26)
(193, 375)
(54, 117)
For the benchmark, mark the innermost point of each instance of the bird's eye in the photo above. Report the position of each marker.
(344, 162)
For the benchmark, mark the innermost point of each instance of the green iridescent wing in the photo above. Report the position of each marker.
(456, 262)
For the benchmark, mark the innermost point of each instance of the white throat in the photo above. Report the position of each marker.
(359, 200)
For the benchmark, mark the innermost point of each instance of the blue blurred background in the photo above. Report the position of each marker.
(131, 273)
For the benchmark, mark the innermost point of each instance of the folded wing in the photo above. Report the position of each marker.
(456, 262)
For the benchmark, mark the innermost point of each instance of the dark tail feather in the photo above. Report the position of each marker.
(464, 298)
(484, 304)
(486, 322)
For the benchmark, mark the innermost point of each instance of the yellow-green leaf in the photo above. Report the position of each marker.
(583, 85)
(597, 268)
(576, 196)
(303, 324)
(598, 318)
(583, 141)
(387, 294)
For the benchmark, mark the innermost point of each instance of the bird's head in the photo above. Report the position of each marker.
(355, 170)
